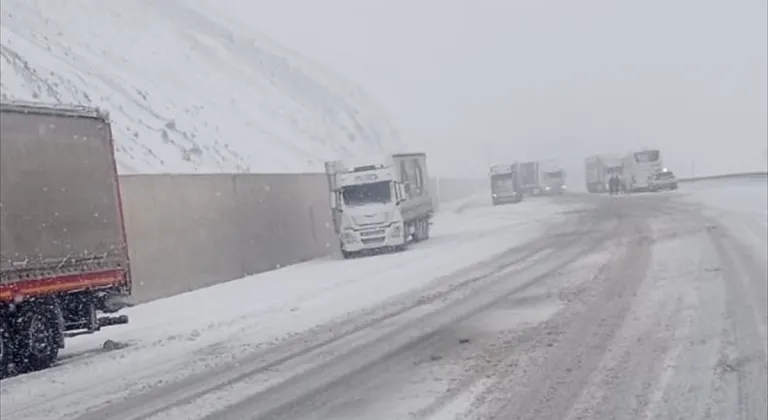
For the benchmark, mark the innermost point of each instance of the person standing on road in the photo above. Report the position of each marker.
(613, 185)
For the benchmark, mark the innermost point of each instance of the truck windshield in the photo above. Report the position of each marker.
(647, 156)
(375, 192)
(503, 182)
(553, 174)
(613, 170)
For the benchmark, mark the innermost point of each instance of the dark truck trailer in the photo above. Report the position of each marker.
(63, 252)
(529, 178)
(505, 184)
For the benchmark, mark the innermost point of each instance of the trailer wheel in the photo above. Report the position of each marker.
(426, 229)
(35, 339)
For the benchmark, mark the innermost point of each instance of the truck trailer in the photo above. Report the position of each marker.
(529, 177)
(63, 252)
(381, 202)
(598, 170)
(505, 184)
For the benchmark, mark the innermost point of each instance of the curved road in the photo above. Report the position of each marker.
(640, 307)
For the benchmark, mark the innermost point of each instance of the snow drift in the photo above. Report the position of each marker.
(189, 91)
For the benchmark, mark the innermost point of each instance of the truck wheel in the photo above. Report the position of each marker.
(35, 339)
(426, 229)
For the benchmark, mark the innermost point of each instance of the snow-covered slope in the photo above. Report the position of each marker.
(189, 91)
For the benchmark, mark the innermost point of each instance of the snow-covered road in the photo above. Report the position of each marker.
(580, 307)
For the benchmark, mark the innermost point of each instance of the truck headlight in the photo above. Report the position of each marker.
(396, 230)
(349, 237)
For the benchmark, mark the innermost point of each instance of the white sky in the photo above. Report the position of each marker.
(486, 81)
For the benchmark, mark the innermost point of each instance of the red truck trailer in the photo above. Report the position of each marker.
(63, 253)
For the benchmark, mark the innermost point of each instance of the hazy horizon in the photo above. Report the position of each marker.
(475, 83)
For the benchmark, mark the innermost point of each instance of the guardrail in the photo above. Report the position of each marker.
(755, 175)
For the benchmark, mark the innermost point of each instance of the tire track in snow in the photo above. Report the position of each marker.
(303, 395)
(747, 355)
(564, 369)
(316, 338)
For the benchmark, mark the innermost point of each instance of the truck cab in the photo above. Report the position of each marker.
(640, 169)
(505, 184)
(553, 181)
(366, 203)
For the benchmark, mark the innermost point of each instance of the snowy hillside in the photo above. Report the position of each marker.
(189, 91)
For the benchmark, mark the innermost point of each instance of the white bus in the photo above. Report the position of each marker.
(640, 167)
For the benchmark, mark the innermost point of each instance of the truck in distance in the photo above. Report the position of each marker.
(529, 178)
(598, 170)
(640, 169)
(542, 178)
(380, 202)
(505, 184)
(63, 254)
(552, 178)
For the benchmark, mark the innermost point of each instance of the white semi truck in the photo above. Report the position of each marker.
(640, 169)
(599, 169)
(381, 202)
(551, 178)
(542, 178)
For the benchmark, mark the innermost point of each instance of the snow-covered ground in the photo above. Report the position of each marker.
(739, 204)
(644, 298)
(238, 317)
(189, 89)
(748, 196)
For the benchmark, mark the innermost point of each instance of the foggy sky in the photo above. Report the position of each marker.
(488, 81)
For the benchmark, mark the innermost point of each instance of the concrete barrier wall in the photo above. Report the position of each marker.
(190, 231)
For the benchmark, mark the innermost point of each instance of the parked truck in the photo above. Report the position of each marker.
(381, 202)
(641, 168)
(598, 170)
(505, 184)
(552, 178)
(542, 178)
(63, 254)
(529, 177)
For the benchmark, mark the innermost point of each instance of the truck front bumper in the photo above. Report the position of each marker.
(506, 198)
(553, 190)
(373, 238)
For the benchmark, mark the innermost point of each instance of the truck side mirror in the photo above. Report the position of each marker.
(333, 200)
